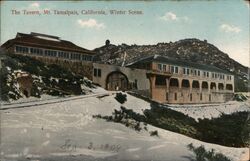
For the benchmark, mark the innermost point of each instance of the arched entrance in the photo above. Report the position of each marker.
(185, 83)
(117, 81)
(174, 82)
(196, 84)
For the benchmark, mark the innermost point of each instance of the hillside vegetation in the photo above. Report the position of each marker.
(228, 130)
(47, 79)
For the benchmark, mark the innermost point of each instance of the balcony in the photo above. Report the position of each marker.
(161, 73)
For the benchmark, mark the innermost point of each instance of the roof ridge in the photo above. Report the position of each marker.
(179, 62)
(45, 35)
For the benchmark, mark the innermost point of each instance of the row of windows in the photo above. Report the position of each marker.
(36, 51)
(53, 53)
(75, 56)
(188, 71)
(21, 49)
(62, 54)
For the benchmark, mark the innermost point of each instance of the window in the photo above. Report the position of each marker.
(207, 74)
(199, 73)
(160, 81)
(54, 53)
(172, 69)
(164, 67)
(209, 97)
(174, 82)
(213, 86)
(195, 72)
(176, 70)
(167, 96)
(97, 72)
(204, 74)
(221, 86)
(185, 83)
(135, 84)
(201, 96)
(159, 66)
(196, 84)
(191, 97)
(204, 85)
(175, 96)
(61, 54)
(229, 87)
(186, 71)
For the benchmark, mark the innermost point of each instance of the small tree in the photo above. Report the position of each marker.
(121, 98)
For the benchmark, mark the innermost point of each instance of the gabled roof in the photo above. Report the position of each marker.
(45, 41)
(178, 62)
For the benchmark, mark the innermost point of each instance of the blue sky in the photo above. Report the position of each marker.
(223, 23)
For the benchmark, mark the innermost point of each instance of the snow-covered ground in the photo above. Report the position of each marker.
(211, 110)
(66, 130)
(30, 99)
(48, 99)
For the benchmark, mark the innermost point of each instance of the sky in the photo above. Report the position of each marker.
(222, 23)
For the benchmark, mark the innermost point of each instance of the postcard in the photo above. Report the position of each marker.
(125, 80)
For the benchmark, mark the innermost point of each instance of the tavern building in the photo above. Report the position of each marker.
(47, 46)
(162, 79)
(176, 81)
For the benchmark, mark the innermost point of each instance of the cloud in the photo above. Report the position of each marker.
(170, 16)
(34, 5)
(229, 28)
(90, 23)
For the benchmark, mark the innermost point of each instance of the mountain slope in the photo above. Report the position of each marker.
(67, 131)
(193, 50)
